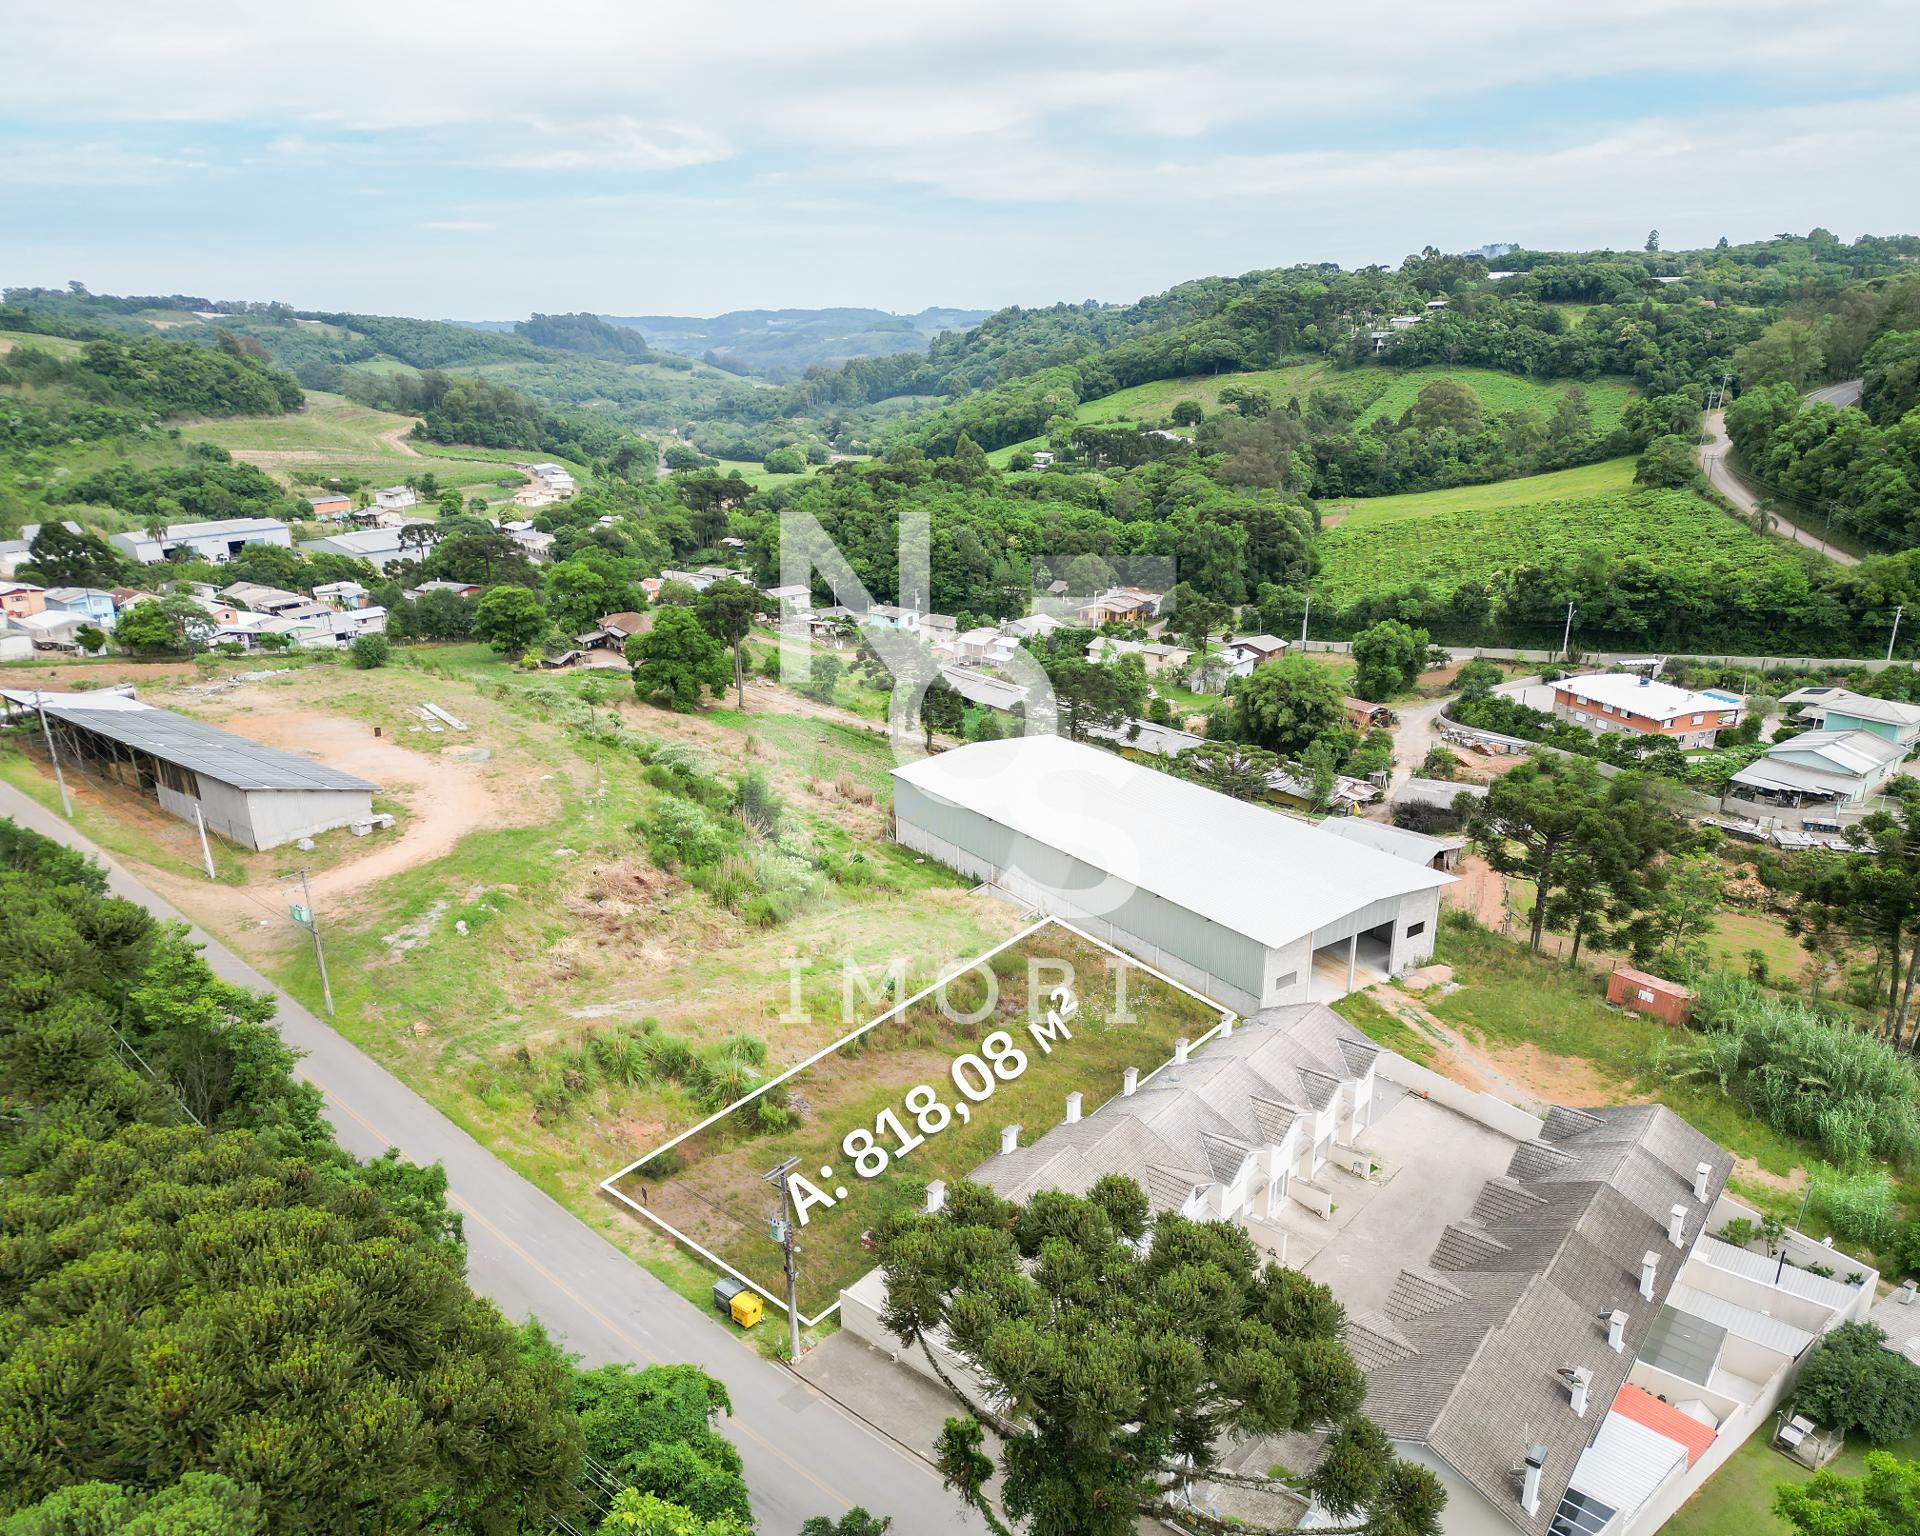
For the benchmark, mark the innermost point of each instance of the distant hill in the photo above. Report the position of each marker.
(783, 343)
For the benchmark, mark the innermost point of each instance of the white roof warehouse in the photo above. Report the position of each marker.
(254, 795)
(1231, 898)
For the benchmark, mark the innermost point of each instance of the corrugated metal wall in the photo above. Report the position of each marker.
(1064, 886)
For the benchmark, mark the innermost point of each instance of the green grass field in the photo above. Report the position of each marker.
(60, 346)
(1501, 392)
(334, 436)
(1561, 485)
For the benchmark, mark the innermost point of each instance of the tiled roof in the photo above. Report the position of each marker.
(1518, 1290)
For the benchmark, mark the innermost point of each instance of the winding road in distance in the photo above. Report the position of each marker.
(803, 1454)
(1712, 455)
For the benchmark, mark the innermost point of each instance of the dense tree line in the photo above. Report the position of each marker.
(587, 334)
(166, 378)
(1842, 462)
(212, 485)
(212, 1318)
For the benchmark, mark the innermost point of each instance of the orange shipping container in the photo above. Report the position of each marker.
(1668, 1000)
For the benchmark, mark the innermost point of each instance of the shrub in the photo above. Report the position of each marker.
(1439, 763)
(1852, 1382)
(1739, 1232)
(369, 651)
(681, 834)
(757, 803)
(1860, 1209)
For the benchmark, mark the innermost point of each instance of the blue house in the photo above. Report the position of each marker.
(1841, 709)
(92, 603)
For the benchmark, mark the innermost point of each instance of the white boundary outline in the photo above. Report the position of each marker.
(1227, 1016)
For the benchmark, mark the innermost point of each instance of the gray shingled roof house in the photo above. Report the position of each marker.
(1548, 1274)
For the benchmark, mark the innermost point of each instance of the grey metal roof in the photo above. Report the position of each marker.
(1244, 867)
(201, 748)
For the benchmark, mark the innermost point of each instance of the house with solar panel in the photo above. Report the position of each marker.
(1547, 1315)
(254, 795)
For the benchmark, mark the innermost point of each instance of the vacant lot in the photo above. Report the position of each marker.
(709, 1186)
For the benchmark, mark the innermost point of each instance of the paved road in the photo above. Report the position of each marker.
(1841, 395)
(1712, 455)
(804, 1456)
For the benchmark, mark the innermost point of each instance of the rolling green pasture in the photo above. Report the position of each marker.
(1561, 485)
(60, 346)
(1501, 392)
(334, 436)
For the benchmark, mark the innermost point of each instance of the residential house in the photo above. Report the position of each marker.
(18, 551)
(537, 494)
(1828, 769)
(831, 626)
(342, 594)
(52, 628)
(94, 604)
(263, 599)
(1236, 658)
(20, 598)
(1042, 458)
(555, 477)
(537, 545)
(1841, 709)
(988, 646)
(216, 542)
(1035, 626)
(327, 504)
(461, 588)
(1634, 703)
(892, 616)
(625, 625)
(379, 547)
(395, 498)
(796, 597)
(1155, 658)
(1120, 605)
(16, 643)
(693, 579)
(939, 628)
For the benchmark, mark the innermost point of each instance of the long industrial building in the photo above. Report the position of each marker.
(1236, 900)
(253, 795)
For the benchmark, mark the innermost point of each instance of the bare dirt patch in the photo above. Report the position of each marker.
(1481, 890)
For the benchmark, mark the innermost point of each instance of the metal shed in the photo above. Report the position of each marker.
(254, 795)
(1231, 898)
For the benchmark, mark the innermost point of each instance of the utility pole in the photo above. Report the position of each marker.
(309, 919)
(1303, 624)
(1566, 636)
(781, 1224)
(66, 800)
(1898, 609)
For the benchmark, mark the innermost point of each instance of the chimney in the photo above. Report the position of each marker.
(1226, 1026)
(1578, 1379)
(1010, 1139)
(1180, 1051)
(1906, 1292)
(1649, 1267)
(1073, 1107)
(1702, 1177)
(1677, 1226)
(1129, 1081)
(936, 1196)
(1530, 1480)
(1617, 1331)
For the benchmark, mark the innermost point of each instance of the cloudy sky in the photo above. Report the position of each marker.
(485, 159)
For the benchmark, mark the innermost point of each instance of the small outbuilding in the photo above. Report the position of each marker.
(1642, 993)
